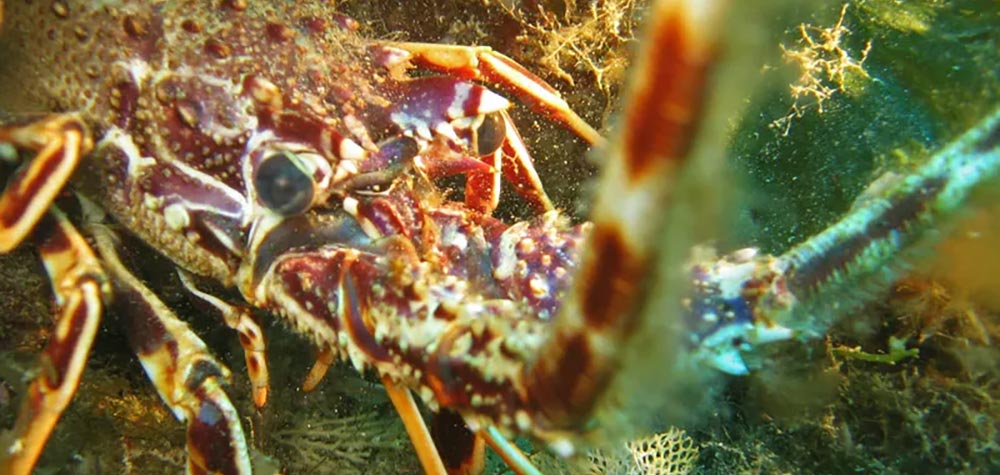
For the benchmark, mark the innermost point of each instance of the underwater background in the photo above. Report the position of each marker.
(839, 93)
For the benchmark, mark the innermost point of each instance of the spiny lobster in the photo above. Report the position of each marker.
(277, 152)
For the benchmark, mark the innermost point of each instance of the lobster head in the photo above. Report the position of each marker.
(268, 127)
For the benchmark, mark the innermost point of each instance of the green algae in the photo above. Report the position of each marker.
(932, 71)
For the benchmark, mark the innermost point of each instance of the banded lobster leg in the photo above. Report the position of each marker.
(77, 279)
(611, 285)
(80, 288)
(60, 141)
(186, 376)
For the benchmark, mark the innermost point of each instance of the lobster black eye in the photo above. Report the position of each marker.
(490, 134)
(282, 184)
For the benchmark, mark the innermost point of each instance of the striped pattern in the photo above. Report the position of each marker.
(659, 123)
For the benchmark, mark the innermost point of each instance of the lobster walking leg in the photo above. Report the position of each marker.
(324, 359)
(189, 380)
(462, 450)
(403, 401)
(79, 286)
(511, 455)
(251, 338)
(484, 64)
(60, 141)
(513, 161)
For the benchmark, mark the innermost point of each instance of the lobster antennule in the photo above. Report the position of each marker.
(603, 307)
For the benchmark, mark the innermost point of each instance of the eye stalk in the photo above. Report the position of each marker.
(396, 152)
(394, 156)
(283, 185)
(489, 134)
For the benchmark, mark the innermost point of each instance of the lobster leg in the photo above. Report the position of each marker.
(511, 455)
(606, 302)
(512, 159)
(79, 286)
(403, 401)
(60, 141)
(481, 63)
(324, 359)
(189, 380)
(466, 129)
(482, 189)
(251, 338)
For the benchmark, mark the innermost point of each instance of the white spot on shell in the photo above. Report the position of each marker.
(490, 101)
(526, 245)
(508, 258)
(455, 239)
(351, 151)
(351, 206)
(176, 216)
(462, 345)
(457, 107)
(562, 447)
(538, 285)
(446, 130)
(345, 169)
(8, 153)
(523, 421)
